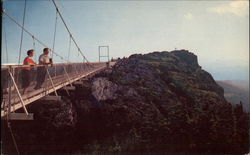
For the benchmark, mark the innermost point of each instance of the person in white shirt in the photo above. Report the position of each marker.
(44, 58)
(41, 71)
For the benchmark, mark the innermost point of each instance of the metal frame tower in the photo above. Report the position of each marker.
(107, 54)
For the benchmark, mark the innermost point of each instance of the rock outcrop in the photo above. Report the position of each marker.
(102, 89)
(165, 99)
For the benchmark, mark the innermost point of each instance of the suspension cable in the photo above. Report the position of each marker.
(21, 42)
(6, 46)
(54, 34)
(34, 45)
(29, 33)
(70, 37)
(79, 50)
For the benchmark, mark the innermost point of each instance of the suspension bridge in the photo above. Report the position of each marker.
(63, 76)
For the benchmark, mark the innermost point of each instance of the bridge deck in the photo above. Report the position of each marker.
(61, 76)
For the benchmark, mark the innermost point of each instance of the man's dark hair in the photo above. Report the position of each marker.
(30, 51)
(45, 49)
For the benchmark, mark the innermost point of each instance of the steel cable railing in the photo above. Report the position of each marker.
(60, 74)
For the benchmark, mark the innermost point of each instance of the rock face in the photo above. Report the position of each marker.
(161, 102)
(102, 89)
(165, 100)
(60, 114)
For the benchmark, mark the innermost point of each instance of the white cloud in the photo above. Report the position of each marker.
(188, 16)
(238, 8)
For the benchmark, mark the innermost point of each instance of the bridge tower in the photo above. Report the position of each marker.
(105, 55)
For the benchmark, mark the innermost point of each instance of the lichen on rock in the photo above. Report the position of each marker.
(103, 89)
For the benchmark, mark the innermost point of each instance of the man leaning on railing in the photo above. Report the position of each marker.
(26, 75)
(45, 60)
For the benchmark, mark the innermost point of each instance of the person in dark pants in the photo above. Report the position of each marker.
(41, 70)
(26, 72)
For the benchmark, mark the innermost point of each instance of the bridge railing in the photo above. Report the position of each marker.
(15, 78)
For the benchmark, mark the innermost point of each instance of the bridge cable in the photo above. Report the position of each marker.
(6, 46)
(34, 45)
(55, 34)
(29, 33)
(69, 46)
(21, 42)
(79, 50)
(54, 40)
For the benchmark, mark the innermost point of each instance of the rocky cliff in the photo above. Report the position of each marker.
(161, 102)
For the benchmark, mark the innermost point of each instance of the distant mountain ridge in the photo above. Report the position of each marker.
(242, 84)
(236, 92)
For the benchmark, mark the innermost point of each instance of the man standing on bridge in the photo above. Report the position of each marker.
(26, 72)
(41, 71)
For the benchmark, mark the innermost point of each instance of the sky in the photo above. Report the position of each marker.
(216, 31)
